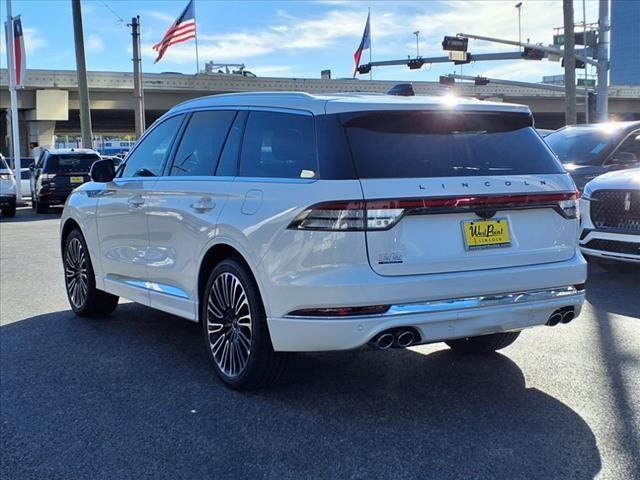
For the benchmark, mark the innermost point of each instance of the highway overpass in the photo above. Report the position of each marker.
(112, 100)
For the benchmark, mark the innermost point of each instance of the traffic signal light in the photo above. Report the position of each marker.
(362, 69)
(532, 54)
(445, 80)
(579, 63)
(415, 64)
(479, 81)
(456, 44)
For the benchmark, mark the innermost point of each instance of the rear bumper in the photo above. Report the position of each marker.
(435, 321)
(54, 196)
(7, 200)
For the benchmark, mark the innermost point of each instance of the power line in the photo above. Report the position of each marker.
(120, 19)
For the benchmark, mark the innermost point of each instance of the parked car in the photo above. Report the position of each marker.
(25, 182)
(288, 222)
(7, 189)
(610, 207)
(56, 173)
(587, 151)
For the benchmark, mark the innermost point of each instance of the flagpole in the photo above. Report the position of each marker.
(196, 24)
(371, 69)
(15, 127)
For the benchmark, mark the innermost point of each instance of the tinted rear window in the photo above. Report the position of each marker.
(445, 144)
(3, 164)
(69, 163)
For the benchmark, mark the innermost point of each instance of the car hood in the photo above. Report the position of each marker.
(620, 179)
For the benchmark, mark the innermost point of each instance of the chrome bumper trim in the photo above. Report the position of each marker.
(465, 303)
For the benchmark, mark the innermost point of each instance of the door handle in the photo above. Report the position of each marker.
(203, 205)
(136, 201)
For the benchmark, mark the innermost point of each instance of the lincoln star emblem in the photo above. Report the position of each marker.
(627, 202)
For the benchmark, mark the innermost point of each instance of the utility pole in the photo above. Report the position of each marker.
(519, 7)
(569, 64)
(15, 125)
(83, 88)
(417, 34)
(602, 101)
(137, 77)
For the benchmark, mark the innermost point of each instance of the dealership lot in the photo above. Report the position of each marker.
(132, 395)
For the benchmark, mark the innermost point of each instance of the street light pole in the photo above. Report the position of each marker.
(13, 94)
(569, 64)
(519, 7)
(417, 34)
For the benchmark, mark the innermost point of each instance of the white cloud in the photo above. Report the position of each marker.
(94, 43)
(164, 17)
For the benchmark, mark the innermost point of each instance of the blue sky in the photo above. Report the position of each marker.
(291, 38)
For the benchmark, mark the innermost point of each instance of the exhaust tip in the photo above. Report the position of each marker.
(568, 316)
(555, 318)
(406, 338)
(384, 341)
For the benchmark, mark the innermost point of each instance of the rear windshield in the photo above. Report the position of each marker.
(583, 146)
(406, 144)
(70, 163)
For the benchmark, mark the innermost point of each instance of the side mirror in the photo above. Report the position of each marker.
(103, 171)
(623, 158)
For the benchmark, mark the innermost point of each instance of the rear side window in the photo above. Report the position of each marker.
(411, 144)
(202, 143)
(279, 145)
(148, 159)
(3, 164)
(69, 163)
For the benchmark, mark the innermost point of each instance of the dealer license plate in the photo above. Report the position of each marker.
(492, 233)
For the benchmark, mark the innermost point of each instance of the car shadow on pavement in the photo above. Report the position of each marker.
(133, 395)
(611, 289)
(27, 214)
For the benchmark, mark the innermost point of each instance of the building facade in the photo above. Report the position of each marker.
(625, 42)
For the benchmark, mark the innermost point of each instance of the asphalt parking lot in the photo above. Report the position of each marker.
(132, 395)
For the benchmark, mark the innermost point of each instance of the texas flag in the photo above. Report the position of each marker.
(365, 44)
(19, 62)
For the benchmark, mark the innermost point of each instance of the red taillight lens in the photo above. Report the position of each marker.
(384, 214)
(341, 311)
(6, 175)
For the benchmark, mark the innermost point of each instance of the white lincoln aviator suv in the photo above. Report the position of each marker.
(289, 222)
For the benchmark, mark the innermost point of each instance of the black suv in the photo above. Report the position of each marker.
(56, 173)
(589, 150)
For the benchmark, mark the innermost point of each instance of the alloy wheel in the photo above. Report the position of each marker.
(75, 270)
(229, 324)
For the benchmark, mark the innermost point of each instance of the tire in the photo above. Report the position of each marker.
(80, 283)
(484, 343)
(10, 210)
(618, 267)
(42, 207)
(237, 337)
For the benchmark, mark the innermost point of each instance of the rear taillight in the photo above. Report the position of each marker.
(339, 216)
(384, 214)
(47, 177)
(6, 174)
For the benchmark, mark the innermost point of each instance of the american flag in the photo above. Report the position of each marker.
(183, 29)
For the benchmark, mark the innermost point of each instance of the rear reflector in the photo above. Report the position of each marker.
(341, 311)
(383, 214)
